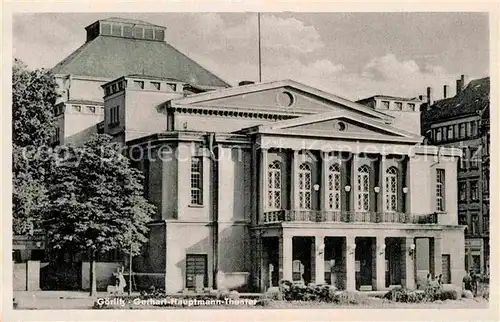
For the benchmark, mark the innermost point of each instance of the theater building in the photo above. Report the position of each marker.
(263, 182)
(271, 181)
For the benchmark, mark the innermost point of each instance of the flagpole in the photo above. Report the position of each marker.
(260, 52)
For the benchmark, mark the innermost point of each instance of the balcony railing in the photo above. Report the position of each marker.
(347, 217)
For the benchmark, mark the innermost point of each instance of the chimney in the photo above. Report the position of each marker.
(446, 91)
(462, 83)
(429, 96)
(464, 80)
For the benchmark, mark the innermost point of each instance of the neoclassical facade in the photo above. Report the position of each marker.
(263, 182)
(273, 181)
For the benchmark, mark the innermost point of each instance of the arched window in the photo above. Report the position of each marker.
(274, 185)
(305, 186)
(391, 188)
(334, 187)
(363, 188)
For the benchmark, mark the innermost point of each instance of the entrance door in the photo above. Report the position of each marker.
(446, 269)
(196, 265)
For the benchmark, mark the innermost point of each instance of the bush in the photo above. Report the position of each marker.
(467, 294)
(405, 296)
(234, 295)
(273, 293)
(263, 302)
(222, 294)
(483, 290)
(448, 295)
(349, 297)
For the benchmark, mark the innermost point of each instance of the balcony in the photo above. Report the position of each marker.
(347, 217)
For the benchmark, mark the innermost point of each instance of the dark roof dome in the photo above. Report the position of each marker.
(116, 47)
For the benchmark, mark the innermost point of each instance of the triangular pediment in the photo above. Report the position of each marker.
(281, 97)
(338, 124)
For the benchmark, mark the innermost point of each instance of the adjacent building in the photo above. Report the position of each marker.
(263, 182)
(462, 121)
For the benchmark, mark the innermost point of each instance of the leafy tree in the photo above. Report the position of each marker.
(96, 202)
(34, 94)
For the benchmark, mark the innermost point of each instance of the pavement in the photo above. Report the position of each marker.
(78, 300)
(54, 300)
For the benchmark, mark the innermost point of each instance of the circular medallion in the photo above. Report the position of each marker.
(286, 99)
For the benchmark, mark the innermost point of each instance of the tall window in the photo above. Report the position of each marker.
(445, 133)
(114, 116)
(463, 159)
(462, 191)
(450, 132)
(274, 185)
(473, 126)
(197, 181)
(363, 188)
(438, 135)
(440, 190)
(461, 127)
(391, 188)
(474, 224)
(474, 190)
(334, 187)
(475, 158)
(305, 186)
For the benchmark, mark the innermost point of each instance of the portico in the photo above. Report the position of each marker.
(349, 257)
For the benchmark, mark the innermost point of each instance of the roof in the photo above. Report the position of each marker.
(83, 102)
(113, 57)
(251, 88)
(149, 77)
(131, 21)
(472, 100)
(388, 98)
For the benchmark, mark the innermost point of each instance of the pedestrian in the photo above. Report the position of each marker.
(428, 281)
(467, 282)
(474, 278)
(120, 280)
(434, 282)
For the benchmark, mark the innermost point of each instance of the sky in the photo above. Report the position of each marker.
(354, 55)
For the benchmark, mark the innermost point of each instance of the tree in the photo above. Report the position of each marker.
(96, 202)
(34, 94)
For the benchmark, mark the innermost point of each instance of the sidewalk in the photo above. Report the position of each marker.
(57, 299)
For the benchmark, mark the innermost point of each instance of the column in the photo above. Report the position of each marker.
(263, 184)
(318, 254)
(380, 263)
(381, 184)
(350, 264)
(285, 257)
(411, 183)
(294, 199)
(324, 181)
(353, 196)
(33, 275)
(438, 261)
(407, 263)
